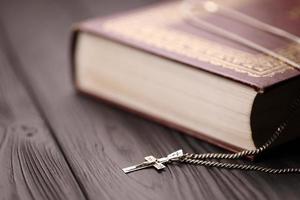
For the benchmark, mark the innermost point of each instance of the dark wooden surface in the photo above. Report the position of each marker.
(55, 144)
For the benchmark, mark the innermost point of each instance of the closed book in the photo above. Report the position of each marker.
(153, 62)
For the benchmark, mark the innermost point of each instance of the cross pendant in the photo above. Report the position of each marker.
(157, 163)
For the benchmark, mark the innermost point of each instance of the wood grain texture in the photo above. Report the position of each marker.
(98, 140)
(31, 165)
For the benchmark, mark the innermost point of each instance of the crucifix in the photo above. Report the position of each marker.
(157, 163)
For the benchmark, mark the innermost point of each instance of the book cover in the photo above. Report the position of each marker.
(162, 30)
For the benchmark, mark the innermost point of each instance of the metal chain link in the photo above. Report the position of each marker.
(201, 159)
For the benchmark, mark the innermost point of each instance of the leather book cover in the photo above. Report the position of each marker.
(162, 30)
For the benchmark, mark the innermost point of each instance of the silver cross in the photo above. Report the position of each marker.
(158, 163)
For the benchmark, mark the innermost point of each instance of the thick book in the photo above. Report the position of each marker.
(152, 62)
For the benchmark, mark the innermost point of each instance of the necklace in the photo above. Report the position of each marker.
(205, 159)
(193, 19)
(213, 7)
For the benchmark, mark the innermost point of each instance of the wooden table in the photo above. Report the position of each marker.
(55, 144)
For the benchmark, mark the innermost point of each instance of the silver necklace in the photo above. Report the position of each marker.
(213, 7)
(193, 19)
(205, 159)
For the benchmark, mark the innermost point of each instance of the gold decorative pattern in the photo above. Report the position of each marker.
(151, 27)
(295, 13)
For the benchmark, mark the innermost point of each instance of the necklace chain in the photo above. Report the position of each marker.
(205, 158)
(202, 159)
(194, 20)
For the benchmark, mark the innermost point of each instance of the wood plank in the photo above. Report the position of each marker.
(99, 140)
(31, 165)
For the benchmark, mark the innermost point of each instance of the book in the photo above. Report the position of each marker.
(150, 61)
